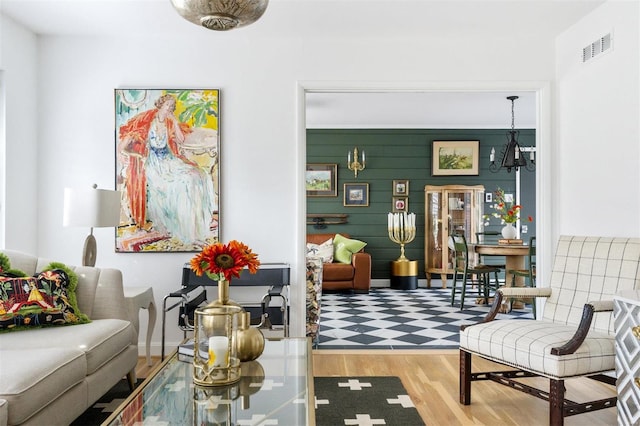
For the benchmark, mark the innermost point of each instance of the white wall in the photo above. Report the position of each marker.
(598, 126)
(260, 153)
(18, 142)
(262, 161)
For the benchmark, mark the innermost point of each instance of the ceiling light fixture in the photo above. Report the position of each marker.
(221, 15)
(512, 157)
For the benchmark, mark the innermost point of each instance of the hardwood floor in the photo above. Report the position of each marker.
(431, 379)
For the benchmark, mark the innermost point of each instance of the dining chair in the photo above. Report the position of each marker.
(464, 267)
(529, 273)
(491, 237)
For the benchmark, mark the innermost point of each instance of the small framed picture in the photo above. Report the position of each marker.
(455, 158)
(400, 187)
(356, 194)
(400, 204)
(321, 180)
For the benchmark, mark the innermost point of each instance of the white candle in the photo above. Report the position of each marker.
(532, 155)
(492, 156)
(349, 157)
(219, 351)
(363, 157)
(390, 221)
(517, 152)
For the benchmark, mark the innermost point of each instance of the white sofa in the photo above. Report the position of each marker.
(51, 375)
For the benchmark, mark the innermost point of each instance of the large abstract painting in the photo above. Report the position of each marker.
(168, 169)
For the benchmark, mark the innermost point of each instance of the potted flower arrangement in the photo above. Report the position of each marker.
(221, 262)
(507, 212)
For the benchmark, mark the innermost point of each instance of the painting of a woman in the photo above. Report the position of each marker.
(170, 193)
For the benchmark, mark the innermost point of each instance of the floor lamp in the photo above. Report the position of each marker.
(93, 208)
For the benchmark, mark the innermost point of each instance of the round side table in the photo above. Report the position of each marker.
(404, 274)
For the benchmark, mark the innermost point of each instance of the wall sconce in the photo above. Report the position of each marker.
(93, 208)
(357, 165)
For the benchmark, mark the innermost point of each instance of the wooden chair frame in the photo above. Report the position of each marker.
(462, 267)
(559, 406)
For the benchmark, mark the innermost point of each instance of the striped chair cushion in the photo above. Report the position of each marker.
(526, 344)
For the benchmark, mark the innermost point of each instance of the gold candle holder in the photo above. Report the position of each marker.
(402, 230)
(215, 359)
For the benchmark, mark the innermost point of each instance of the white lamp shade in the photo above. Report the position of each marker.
(94, 208)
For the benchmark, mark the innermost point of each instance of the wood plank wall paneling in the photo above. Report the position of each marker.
(399, 154)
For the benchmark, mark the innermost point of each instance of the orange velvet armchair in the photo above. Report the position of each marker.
(354, 276)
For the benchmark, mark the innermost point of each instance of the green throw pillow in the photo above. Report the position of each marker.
(47, 299)
(5, 268)
(343, 248)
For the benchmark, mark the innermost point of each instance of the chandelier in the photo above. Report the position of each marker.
(221, 15)
(512, 157)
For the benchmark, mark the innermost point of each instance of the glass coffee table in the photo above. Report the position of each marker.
(277, 386)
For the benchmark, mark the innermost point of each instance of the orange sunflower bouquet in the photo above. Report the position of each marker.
(224, 261)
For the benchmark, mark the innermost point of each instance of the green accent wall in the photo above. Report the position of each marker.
(393, 154)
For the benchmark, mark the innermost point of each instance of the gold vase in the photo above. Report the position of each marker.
(223, 300)
(223, 295)
(250, 341)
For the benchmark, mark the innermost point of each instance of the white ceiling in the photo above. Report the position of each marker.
(334, 19)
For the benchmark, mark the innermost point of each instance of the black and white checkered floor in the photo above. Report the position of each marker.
(398, 319)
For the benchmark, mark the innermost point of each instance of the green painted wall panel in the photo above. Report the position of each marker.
(393, 154)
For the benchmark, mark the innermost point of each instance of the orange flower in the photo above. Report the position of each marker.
(224, 261)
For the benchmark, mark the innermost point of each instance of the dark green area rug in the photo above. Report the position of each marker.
(106, 405)
(364, 401)
(358, 401)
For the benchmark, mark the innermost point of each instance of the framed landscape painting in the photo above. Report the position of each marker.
(167, 169)
(321, 180)
(455, 158)
(356, 195)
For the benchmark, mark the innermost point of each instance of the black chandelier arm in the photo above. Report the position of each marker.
(530, 165)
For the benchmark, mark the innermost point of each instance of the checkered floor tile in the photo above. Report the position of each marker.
(398, 319)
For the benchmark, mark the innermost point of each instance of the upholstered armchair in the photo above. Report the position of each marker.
(575, 336)
(354, 276)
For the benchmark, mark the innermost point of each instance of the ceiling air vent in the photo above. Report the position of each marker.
(601, 45)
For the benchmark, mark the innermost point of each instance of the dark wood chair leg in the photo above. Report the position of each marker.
(463, 290)
(453, 288)
(465, 377)
(556, 402)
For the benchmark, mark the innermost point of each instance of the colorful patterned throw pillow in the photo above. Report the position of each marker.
(43, 300)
